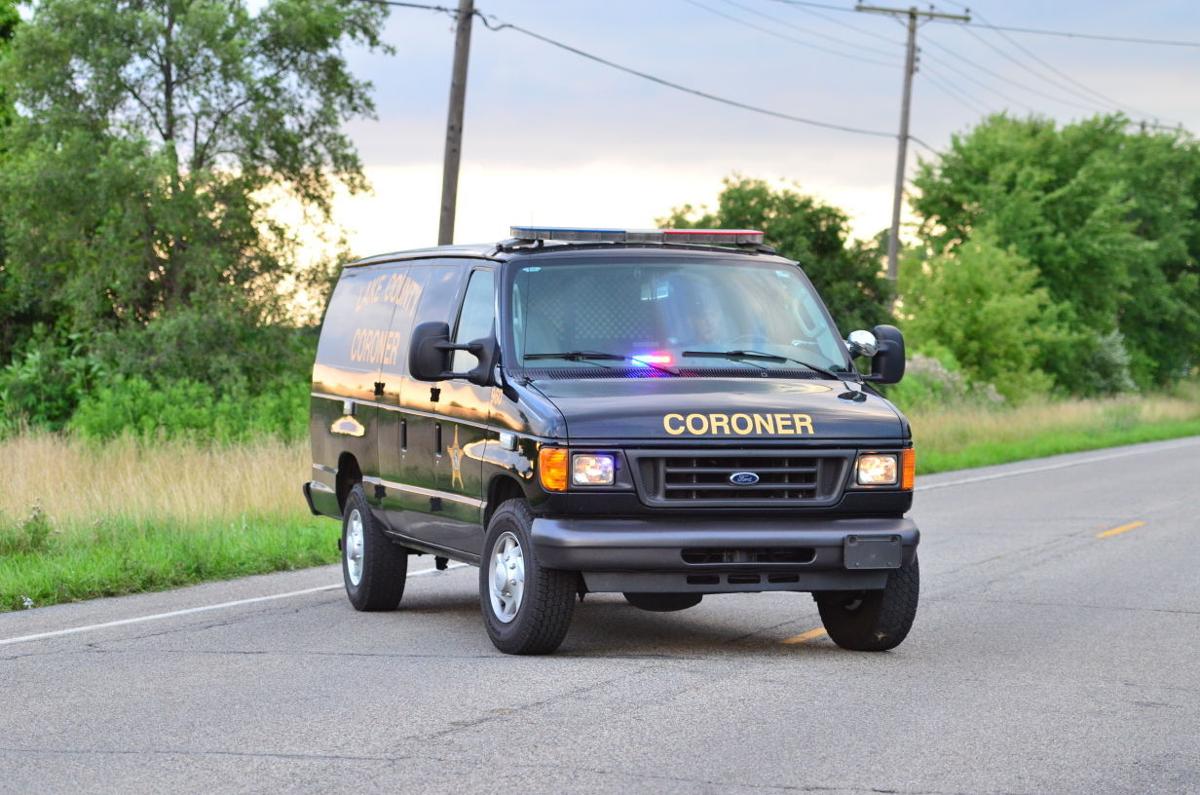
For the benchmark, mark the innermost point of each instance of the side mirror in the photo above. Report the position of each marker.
(429, 355)
(887, 365)
(862, 343)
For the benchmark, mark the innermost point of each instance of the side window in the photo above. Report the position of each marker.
(356, 332)
(476, 318)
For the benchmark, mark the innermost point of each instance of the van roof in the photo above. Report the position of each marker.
(515, 247)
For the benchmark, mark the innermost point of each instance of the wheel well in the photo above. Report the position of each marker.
(500, 489)
(348, 473)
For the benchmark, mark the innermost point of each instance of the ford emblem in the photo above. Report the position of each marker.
(743, 478)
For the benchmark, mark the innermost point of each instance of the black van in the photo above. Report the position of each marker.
(666, 414)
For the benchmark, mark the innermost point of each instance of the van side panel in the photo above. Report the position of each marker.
(465, 415)
(396, 429)
(424, 507)
(355, 342)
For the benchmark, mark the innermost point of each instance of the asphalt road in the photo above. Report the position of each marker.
(1046, 657)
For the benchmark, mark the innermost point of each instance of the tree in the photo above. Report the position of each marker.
(9, 315)
(981, 304)
(847, 275)
(151, 134)
(1107, 217)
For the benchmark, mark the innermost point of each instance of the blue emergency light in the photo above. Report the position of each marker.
(570, 234)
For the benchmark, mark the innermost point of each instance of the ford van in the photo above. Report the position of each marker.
(667, 414)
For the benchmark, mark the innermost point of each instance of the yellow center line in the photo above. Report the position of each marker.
(1125, 528)
(803, 637)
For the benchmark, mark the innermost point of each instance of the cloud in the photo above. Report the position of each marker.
(402, 211)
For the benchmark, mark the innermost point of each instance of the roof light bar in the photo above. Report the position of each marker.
(736, 236)
(719, 237)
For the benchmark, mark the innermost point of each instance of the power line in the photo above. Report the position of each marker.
(1091, 105)
(494, 24)
(946, 86)
(922, 144)
(422, 6)
(777, 34)
(1032, 31)
(828, 6)
(1085, 89)
(985, 86)
(820, 34)
(1094, 36)
(950, 90)
(805, 9)
(1085, 92)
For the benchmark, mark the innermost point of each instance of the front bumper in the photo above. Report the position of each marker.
(719, 555)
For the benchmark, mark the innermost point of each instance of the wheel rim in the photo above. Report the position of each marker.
(354, 547)
(506, 585)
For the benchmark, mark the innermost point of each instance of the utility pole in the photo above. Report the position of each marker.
(454, 121)
(910, 67)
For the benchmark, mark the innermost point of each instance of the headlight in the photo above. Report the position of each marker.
(592, 470)
(877, 470)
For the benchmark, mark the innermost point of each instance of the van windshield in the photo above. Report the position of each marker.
(761, 316)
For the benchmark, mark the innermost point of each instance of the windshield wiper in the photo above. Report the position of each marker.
(768, 357)
(576, 356)
(584, 356)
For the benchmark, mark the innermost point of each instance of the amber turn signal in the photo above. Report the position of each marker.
(908, 469)
(552, 468)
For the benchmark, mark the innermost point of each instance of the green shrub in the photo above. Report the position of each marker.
(44, 382)
(28, 536)
(933, 382)
(982, 305)
(209, 344)
(184, 409)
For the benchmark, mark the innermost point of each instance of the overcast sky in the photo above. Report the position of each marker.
(551, 138)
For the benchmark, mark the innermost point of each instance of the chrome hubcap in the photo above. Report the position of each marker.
(506, 586)
(354, 547)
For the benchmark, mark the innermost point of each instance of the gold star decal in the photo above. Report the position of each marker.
(456, 457)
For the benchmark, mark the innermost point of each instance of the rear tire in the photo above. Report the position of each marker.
(663, 602)
(373, 568)
(527, 609)
(873, 620)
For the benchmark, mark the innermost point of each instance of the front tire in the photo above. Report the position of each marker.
(373, 568)
(527, 609)
(873, 620)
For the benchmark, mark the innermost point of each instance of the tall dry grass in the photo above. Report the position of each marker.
(947, 430)
(78, 482)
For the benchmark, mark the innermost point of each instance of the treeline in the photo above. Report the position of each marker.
(1048, 259)
(143, 281)
(144, 286)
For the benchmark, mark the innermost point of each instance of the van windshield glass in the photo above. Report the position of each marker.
(670, 313)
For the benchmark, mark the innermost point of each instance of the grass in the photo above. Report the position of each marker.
(973, 437)
(118, 556)
(80, 520)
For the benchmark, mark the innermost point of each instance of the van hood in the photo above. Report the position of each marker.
(720, 409)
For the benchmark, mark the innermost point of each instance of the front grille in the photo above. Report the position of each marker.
(703, 478)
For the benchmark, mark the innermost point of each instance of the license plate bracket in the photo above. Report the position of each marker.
(872, 552)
